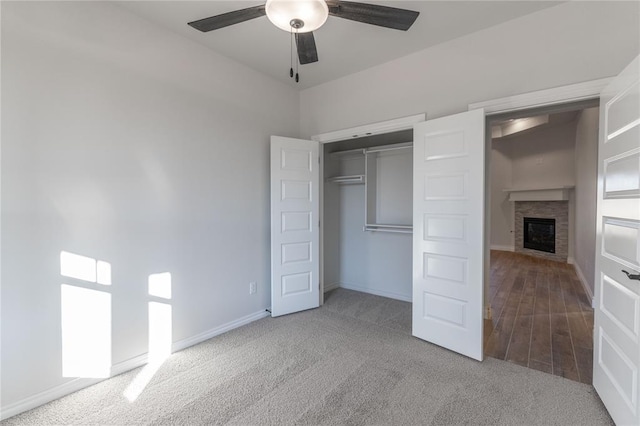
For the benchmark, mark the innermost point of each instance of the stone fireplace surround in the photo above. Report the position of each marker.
(558, 210)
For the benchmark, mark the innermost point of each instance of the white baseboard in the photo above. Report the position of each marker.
(383, 293)
(75, 385)
(584, 283)
(502, 248)
(199, 338)
(130, 364)
(49, 395)
(332, 286)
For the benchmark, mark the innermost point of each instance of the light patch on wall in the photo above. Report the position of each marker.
(160, 322)
(160, 285)
(103, 272)
(84, 268)
(85, 318)
(76, 266)
(159, 331)
(86, 332)
(160, 334)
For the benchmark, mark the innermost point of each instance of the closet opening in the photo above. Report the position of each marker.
(541, 206)
(367, 214)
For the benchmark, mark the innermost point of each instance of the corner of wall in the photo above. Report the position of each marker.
(583, 281)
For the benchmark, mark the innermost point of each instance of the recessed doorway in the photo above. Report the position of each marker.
(542, 173)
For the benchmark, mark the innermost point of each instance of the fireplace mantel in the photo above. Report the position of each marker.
(558, 193)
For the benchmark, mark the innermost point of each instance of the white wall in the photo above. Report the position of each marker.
(373, 262)
(543, 158)
(129, 144)
(501, 208)
(569, 43)
(586, 159)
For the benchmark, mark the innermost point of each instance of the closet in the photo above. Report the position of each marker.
(367, 214)
(354, 199)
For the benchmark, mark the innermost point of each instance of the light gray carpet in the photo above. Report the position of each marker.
(353, 361)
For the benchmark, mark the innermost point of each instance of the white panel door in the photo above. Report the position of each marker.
(448, 232)
(616, 357)
(295, 234)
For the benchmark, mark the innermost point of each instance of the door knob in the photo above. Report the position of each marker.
(632, 276)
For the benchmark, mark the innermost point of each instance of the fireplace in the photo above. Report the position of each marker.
(539, 234)
(558, 236)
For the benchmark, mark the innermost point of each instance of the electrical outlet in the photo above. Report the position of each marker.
(253, 287)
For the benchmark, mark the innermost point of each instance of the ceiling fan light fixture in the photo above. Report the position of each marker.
(282, 13)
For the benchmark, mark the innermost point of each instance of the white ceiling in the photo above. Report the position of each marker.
(344, 47)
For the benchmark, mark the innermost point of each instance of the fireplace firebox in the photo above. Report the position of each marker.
(540, 234)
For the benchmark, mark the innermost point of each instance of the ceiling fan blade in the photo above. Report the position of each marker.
(306, 44)
(229, 18)
(382, 16)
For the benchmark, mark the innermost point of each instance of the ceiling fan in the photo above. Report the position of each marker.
(302, 17)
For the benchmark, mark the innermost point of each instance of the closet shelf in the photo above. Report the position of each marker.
(398, 229)
(347, 180)
(349, 153)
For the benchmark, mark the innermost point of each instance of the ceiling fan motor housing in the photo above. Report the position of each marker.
(302, 15)
(296, 24)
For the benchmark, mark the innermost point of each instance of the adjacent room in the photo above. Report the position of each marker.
(151, 264)
(543, 197)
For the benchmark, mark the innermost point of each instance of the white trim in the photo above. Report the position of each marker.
(584, 283)
(502, 248)
(67, 388)
(130, 364)
(332, 286)
(383, 293)
(75, 385)
(198, 338)
(49, 395)
(388, 126)
(554, 96)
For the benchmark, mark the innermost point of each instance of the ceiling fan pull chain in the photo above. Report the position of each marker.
(291, 50)
(297, 58)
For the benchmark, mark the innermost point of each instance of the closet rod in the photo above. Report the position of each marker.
(349, 151)
(392, 148)
(379, 225)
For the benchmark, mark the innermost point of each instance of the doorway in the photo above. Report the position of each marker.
(542, 180)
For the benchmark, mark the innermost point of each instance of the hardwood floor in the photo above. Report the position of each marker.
(542, 318)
